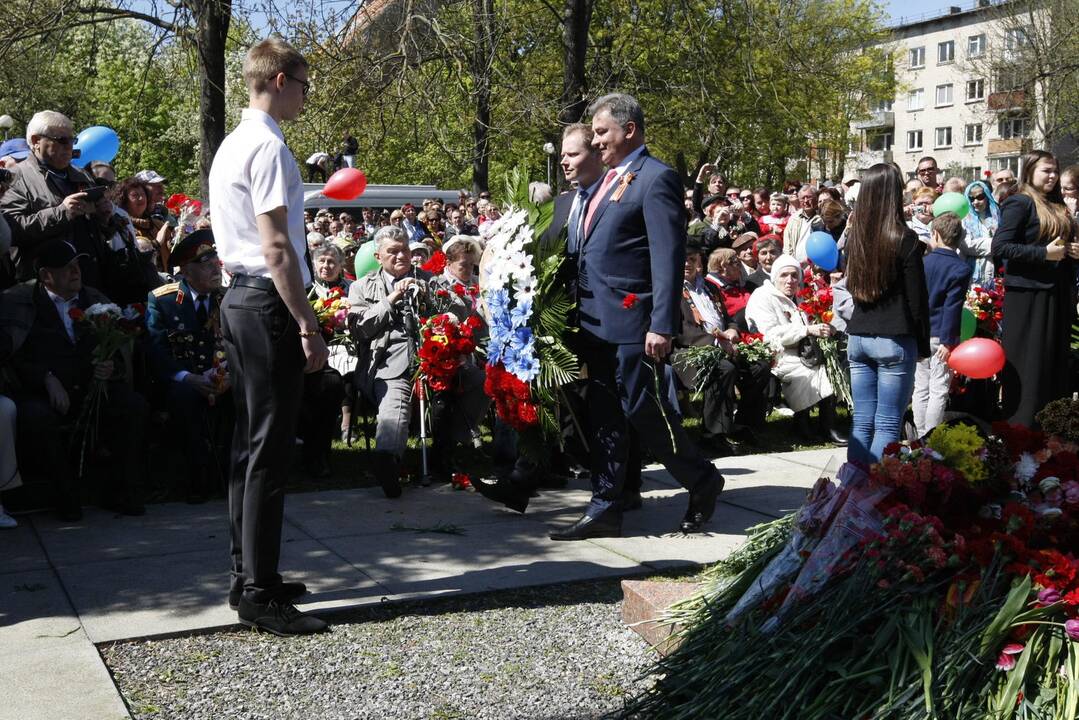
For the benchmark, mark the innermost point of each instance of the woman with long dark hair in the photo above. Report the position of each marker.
(889, 327)
(1036, 239)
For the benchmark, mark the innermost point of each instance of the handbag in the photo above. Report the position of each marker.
(809, 352)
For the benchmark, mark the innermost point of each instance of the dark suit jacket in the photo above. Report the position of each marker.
(946, 278)
(176, 340)
(635, 245)
(693, 334)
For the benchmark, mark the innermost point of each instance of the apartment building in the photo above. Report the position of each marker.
(949, 102)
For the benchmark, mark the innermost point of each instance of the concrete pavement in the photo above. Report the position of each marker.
(65, 588)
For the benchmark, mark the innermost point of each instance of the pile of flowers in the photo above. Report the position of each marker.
(114, 330)
(942, 582)
(445, 344)
(986, 305)
(526, 310)
(815, 300)
(331, 312)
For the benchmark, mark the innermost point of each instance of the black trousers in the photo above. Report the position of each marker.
(45, 443)
(1037, 324)
(201, 429)
(718, 403)
(626, 385)
(266, 362)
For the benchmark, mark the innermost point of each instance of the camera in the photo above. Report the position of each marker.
(5, 176)
(93, 194)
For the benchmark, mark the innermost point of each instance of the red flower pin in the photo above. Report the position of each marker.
(629, 301)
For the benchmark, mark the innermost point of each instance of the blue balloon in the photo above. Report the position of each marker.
(97, 144)
(822, 250)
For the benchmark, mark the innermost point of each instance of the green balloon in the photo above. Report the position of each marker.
(365, 259)
(952, 202)
(968, 325)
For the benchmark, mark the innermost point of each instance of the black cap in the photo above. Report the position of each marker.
(56, 254)
(194, 246)
(712, 200)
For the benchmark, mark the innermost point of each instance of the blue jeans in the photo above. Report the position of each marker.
(881, 383)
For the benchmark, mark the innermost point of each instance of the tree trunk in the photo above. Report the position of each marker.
(212, 18)
(577, 18)
(483, 20)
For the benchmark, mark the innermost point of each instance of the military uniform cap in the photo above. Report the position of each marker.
(194, 246)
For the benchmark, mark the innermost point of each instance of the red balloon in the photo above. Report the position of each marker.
(977, 358)
(345, 184)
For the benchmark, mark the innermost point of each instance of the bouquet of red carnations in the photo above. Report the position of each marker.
(752, 348)
(815, 300)
(512, 398)
(445, 343)
(114, 329)
(331, 312)
(987, 307)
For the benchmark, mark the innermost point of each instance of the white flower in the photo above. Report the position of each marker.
(1049, 484)
(104, 309)
(1025, 467)
(130, 313)
(524, 291)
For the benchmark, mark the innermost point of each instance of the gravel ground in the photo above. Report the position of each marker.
(550, 653)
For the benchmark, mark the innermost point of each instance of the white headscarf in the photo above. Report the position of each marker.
(783, 261)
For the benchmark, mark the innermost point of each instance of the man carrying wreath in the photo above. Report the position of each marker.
(631, 245)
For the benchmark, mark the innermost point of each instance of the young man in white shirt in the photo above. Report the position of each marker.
(271, 334)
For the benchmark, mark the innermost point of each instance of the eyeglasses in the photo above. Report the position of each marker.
(926, 171)
(306, 84)
(66, 140)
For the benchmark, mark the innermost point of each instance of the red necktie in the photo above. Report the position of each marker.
(598, 199)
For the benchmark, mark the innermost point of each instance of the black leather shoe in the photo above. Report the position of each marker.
(69, 513)
(385, 467)
(702, 505)
(590, 527)
(509, 494)
(279, 617)
(289, 591)
(318, 467)
(633, 501)
(835, 437)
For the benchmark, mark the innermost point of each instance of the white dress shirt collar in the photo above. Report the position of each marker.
(253, 115)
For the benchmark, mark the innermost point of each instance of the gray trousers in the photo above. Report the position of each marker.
(393, 397)
(932, 380)
(9, 468)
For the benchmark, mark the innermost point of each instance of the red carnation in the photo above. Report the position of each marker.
(459, 289)
(629, 301)
(76, 314)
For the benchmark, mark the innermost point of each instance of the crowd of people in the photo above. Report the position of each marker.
(309, 336)
(77, 236)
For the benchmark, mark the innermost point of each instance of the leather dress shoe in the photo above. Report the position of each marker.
(288, 591)
(279, 617)
(384, 465)
(590, 527)
(632, 501)
(702, 505)
(506, 492)
(835, 437)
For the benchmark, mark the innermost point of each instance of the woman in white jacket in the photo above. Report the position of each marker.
(773, 312)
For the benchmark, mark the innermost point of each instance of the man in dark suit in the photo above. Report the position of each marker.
(630, 268)
(55, 368)
(187, 356)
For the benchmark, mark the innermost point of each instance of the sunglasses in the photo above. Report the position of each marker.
(65, 140)
(926, 171)
(305, 83)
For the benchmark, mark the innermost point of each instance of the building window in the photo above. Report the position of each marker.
(916, 99)
(974, 134)
(879, 142)
(914, 139)
(976, 45)
(946, 52)
(1014, 126)
(882, 106)
(943, 137)
(1015, 39)
(944, 95)
(1005, 163)
(975, 90)
(917, 57)
(972, 172)
(1007, 79)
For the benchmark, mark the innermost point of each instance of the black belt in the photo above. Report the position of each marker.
(254, 281)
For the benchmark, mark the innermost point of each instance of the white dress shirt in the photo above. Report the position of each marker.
(704, 304)
(64, 308)
(253, 173)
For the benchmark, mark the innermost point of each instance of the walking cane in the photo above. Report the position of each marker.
(412, 330)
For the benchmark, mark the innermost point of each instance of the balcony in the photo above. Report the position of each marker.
(868, 158)
(1009, 146)
(876, 119)
(1009, 100)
